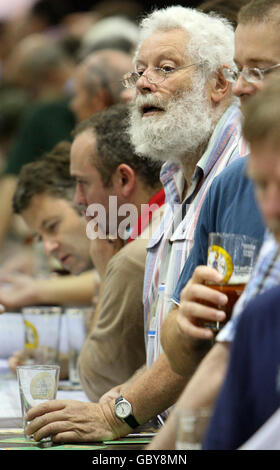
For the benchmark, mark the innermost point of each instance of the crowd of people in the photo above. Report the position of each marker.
(127, 137)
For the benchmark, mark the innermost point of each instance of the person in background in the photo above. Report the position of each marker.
(97, 82)
(107, 172)
(227, 8)
(44, 199)
(40, 65)
(113, 32)
(96, 86)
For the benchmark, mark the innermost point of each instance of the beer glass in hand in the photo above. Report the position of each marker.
(234, 257)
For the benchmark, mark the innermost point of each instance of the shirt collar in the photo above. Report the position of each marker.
(225, 129)
(156, 201)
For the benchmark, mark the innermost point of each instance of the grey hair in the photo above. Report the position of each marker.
(105, 68)
(44, 57)
(115, 28)
(211, 37)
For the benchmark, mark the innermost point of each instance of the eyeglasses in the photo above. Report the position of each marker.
(156, 75)
(251, 75)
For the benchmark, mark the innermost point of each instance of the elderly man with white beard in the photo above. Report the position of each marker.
(185, 115)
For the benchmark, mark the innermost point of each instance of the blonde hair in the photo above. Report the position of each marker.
(260, 11)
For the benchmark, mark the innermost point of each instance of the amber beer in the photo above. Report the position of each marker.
(233, 291)
(233, 256)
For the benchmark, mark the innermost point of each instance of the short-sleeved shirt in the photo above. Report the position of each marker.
(251, 390)
(171, 244)
(43, 126)
(229, 207)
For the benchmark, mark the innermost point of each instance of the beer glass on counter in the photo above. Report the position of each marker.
(234, 257)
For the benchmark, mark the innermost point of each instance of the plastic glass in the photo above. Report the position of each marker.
(41, 334)
(234, 256)
(76, 333)
(191, 426)
(37, 384)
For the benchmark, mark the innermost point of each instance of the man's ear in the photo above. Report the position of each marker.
(124, 180)
(219, 86)
(101, 100)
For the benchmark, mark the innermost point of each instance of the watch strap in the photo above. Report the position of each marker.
(131, 421)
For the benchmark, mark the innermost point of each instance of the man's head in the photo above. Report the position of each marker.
(227, 8)
(104, 163)
(261, 129)
(97, 82)
(41, 65)
(43, 197)
(178, 106)
(257, 45)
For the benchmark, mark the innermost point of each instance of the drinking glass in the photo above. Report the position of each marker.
(37, 384)
(42, 325)
(76, 333)
(234, 256)
(191, 425)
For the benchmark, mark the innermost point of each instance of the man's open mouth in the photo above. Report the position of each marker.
(147, 110)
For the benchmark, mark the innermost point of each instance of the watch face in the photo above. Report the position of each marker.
(123, 409)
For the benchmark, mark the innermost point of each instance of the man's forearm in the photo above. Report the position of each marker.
(183, 353)
(201, 392)
(142, 370)
(154, 391)
(67, 290)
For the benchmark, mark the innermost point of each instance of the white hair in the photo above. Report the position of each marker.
(210, 37)
(112, 27)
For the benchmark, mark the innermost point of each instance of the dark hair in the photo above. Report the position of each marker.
(113, 146)
(14, 101)
(227, 8)
(50, 174)
(259, 11)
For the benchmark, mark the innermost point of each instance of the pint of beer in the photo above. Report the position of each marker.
(234, 257)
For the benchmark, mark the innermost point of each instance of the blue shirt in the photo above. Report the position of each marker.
(251, 391)
(229, 207)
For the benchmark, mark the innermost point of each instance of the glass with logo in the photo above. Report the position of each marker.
(42, 326)
(76, 334)
(234, 256)
(37, 384)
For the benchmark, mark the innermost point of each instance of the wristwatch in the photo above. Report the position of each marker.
(123, 411)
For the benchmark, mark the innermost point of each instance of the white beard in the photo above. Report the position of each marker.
(185, 125)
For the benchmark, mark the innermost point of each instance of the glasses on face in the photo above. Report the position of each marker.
(251, 75)
(156, 75)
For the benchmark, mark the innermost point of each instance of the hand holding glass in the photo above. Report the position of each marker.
(234, 257)
(37, 384)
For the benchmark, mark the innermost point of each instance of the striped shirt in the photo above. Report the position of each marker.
(266, 275)
(170, 246)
